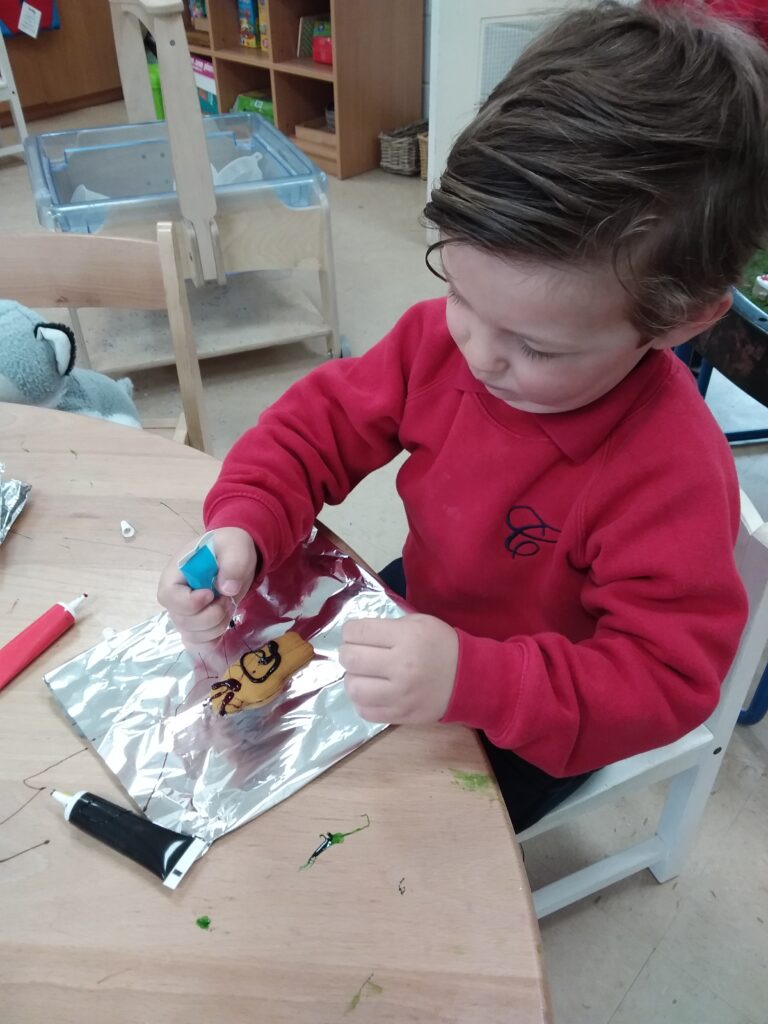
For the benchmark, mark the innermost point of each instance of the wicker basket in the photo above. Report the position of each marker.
(400, 149)
(423, 138)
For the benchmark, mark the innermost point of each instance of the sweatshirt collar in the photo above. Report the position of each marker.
(579, 433)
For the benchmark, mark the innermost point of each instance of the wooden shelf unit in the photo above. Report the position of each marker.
(69, 68)
(374, 83)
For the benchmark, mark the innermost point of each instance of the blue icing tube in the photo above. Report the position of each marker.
(199, 567)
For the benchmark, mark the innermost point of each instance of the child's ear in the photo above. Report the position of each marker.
(62, 341)
(700, 323)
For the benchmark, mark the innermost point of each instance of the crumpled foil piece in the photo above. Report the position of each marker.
(13, 497)
(139, 698)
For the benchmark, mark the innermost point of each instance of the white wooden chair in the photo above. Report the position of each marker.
(95, 271)
(9, 95)
(691, 764)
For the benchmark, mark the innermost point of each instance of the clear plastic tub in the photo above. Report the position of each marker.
(88, 179)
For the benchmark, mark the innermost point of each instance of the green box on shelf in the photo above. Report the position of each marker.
(255, 102)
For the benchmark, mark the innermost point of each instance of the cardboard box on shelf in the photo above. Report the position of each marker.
(257, 102)
(263, 26)
(206, 84)
(322, 42)
(249, 23)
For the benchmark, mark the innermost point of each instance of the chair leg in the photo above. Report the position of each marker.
(132, 64)
(18, 115)
(83, 355)
(686, 799)
(11, 96)
(705, 375)
(185, 351)
(328, 302)
(758, 707)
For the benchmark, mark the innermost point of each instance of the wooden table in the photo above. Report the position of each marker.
(426, 916)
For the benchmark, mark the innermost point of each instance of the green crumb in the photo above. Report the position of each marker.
(203, 922)
(474, 782)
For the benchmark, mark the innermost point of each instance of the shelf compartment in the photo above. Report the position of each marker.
(306, 67)
(234, 77)
(225, 34)
(284, 18)
(299, 100)
(244, 55)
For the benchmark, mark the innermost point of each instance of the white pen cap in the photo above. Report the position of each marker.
(66, 800)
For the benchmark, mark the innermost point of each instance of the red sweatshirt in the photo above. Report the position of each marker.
(751, 15)
(584, 558)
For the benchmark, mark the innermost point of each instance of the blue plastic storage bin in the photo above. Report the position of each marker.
(88, 179)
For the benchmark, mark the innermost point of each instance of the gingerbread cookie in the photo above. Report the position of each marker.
(260, 675)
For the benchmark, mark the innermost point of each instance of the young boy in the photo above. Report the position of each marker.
(572, 504)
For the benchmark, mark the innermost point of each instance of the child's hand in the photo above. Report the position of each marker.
(400, 670)
(199, 617)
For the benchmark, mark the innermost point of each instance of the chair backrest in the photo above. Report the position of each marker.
(751, 555)
(690, 763)
(92, 271)
(81, 271)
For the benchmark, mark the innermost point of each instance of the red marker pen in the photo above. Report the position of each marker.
(36, 638)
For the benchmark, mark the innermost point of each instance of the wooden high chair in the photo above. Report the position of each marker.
(9, 95)
(267, 237)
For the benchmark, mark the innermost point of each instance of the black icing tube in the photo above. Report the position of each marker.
(165, 853)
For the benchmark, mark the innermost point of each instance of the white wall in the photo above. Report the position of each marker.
(427, 44)
(456, 54)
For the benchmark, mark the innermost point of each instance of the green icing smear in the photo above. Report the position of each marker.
(369, 986)
(203, 922)
(474, 782)
(333, 839)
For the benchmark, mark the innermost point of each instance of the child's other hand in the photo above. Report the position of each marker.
(400, 670)
(199, 616)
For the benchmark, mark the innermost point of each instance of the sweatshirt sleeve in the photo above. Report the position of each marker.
(669, 609)
(315, 444)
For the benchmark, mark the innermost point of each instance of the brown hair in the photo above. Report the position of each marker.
(630, 135)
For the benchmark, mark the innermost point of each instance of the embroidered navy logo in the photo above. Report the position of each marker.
(528, 532)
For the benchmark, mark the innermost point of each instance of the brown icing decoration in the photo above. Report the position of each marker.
(260, 675)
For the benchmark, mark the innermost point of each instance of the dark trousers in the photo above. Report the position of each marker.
(528, 792)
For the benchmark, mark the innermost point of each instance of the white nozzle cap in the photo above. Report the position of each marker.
(66, 800)
(72, 606)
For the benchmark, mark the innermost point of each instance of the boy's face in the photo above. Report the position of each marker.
(542, 339)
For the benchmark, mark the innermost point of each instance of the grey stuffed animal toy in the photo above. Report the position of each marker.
(37, 367)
